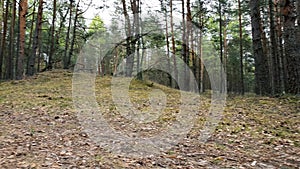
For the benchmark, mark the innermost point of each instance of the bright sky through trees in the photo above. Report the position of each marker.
(107, 12)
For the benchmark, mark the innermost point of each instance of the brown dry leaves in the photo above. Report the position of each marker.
(39, 129)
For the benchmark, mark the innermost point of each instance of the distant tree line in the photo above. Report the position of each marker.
(39, 35)
(256, 42)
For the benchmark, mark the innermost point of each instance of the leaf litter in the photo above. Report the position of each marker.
(39, 128)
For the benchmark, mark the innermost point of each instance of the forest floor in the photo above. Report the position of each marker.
(39, 129)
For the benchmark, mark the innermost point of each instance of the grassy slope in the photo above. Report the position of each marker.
(39, 129)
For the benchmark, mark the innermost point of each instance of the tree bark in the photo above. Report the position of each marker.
(10, 57)
(201, 62)
(66, 63)
(184, 47)
(3, 39)
(136, 12)
(298, 42)
(221, 46)
(276, 87)
(31, 66)
(22, 17)
(29, 46)
(199, 59)
(74, 34)
(279, 34)
(129, 56)
(262, 86)
(59, 32)
(52, 47)
(188, 50)
(164, 9)
(1, 20)
(290, 39)
(242, 88)
(173, 44)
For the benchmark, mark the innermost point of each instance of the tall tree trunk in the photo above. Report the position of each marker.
(129, 56)
(279, 34)
(52, 47)
(39, 51)
(136, 12)
(65, 60)
(143, 42)
(184, 49)
(173, 44)
(225, 51)
(298, 42)
(290, 41)
(30, 44)
(266, 50)
(242, 88)
(59, 32)
(74, 34)
(1, 20)
(261, 64)
(276, 87)
(133, 38)
(11, 53)
(32, 59)
(164, 9)
(193, 41)
(199, 58)
(3, 39)
(298, 23)
(188, 45)
(221, 46)
(22, 17)
(202, 86)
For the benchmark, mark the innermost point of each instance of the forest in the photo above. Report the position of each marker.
(61, 61)
(256, 42)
